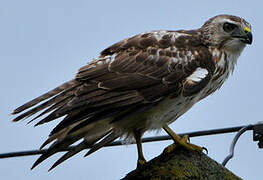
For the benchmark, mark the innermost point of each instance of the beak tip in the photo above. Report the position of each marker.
(248, 38)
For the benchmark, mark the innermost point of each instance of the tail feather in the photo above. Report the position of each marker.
(56, 147)
(108, 139)
(60, 135)
(91, 134)
(49, 140)
(89, 112)
(81, 146)
(72, 118)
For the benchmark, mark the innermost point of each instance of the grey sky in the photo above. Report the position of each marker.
(43, 43)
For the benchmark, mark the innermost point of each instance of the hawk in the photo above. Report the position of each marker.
(141, 83)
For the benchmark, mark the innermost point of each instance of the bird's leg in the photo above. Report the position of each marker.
(141, 160)
(181, 141)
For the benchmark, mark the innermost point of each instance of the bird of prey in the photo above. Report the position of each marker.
(141, 83)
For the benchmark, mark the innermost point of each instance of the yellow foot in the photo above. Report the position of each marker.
(171, 148)
(184, 142)
(181, 141)
(140, 162)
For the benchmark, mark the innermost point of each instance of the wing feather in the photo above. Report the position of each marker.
(130, 76)
(68, 86)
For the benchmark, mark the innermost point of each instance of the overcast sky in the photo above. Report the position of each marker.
(43, 43)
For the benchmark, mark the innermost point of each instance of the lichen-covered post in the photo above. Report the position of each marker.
(181, 164)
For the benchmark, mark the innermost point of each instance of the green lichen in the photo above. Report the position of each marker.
(182, 164)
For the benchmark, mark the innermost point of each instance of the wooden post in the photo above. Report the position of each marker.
(181, 164)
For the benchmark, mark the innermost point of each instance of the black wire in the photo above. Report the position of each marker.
(233, 144)
(144, 140)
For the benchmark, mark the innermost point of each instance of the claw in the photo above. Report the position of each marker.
(182, 141)
(141, 162)
(185, 139)
(193, 147)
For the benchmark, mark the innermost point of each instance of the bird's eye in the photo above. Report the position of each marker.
(228, 27)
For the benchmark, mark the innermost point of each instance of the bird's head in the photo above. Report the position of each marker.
(226, 31)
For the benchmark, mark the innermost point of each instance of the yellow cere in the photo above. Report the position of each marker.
(247, 29)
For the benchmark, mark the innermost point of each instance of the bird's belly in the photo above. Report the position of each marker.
(169, 110)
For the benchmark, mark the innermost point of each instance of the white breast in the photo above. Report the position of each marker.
(172, 108)
(169, 110)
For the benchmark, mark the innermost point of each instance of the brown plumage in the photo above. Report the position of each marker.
(141, 83)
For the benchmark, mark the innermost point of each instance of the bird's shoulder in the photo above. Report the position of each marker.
(163, 39)
(155, 64)
(156, 55)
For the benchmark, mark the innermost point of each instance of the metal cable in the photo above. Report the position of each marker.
(145, 140)
(233, 144)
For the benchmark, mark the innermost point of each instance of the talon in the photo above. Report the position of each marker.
(185, 139)
(194, 147)
(141, 162)
(182, 141)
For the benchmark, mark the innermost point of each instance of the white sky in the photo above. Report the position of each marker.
(43, 43)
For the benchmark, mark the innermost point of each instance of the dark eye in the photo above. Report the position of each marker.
(228, 27)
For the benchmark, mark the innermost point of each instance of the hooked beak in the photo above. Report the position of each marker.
(244, 36)
(247, 38)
